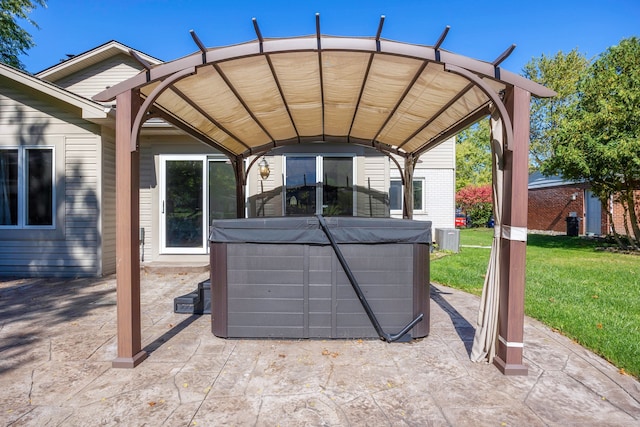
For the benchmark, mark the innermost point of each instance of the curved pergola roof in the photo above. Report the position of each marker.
(249, 98)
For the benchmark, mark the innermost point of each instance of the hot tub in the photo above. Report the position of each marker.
(282, 278)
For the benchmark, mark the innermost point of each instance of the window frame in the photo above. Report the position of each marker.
(23, 190)
(422, 181)
(319, 168)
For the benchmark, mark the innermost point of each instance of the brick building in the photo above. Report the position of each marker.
(552, 200)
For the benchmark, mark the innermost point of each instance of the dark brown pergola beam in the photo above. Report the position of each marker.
(504, 55)
(284, 100)
(436, 47)
(258, 33)
(200, 45)
(364, 83)
(193, 132)
(379, 33)
(481, 112)
(320, 75)
(145, 64)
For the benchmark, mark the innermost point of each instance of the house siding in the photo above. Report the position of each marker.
(442, 156)
(93, 80)
(108, 203)
(71, 249)
(373, 183)
(437, 168)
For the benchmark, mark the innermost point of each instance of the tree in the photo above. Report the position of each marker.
(598, 136)
(15, 40)
(473, 155)
(476, 202)
(560, 73)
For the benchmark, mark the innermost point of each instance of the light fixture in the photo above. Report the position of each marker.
(264, 168)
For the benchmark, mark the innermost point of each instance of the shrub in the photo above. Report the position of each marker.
(476, 202)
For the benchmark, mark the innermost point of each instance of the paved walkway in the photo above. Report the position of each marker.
(57, 341)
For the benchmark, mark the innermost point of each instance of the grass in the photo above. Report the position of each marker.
(588, 295)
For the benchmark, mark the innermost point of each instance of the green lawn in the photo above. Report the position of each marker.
(588, 295)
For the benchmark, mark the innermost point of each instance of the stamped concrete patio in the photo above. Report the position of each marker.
(57, 341)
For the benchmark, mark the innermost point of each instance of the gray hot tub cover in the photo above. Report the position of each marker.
(306, 230)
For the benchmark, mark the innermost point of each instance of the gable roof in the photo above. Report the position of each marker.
(91, 110)
(91, 57)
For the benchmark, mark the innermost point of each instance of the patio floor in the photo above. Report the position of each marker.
(57, 341)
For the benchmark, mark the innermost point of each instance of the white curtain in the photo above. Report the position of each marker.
(486, 337)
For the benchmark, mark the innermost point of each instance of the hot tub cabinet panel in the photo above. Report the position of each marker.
(283, 289)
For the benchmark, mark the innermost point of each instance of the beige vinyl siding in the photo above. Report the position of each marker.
(372, 185)
(95, 79)
(71, 249)
(148, 188)
(82, 207)
(265, 195)
(441, 157)
(108, 203)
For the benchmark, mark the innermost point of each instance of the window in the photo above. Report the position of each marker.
(319, 184)
(395, 195)
(27, 190)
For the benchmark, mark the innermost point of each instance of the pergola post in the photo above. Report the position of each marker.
(409, 165)
(241, 182)
(513, 238)
(130, 352)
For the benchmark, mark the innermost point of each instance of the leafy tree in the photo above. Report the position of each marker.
(473, 155)
(15, 40)
(560, 73)
(475, 201)
(598, 137)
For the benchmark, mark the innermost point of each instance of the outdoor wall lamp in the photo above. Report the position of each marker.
(264, 168)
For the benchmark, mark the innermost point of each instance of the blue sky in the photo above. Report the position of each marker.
(479, 29)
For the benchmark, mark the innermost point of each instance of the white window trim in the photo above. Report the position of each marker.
(22, 189)
(163, 249)
(423, 196)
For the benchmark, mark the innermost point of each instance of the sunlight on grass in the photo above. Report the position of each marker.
(588, 295)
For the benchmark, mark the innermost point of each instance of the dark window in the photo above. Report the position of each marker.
(8, 187)
(395, 195)
(39, 187)
(26, 187)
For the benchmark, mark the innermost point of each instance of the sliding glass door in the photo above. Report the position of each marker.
(182, 206)
(319, 184)
(194, 191)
